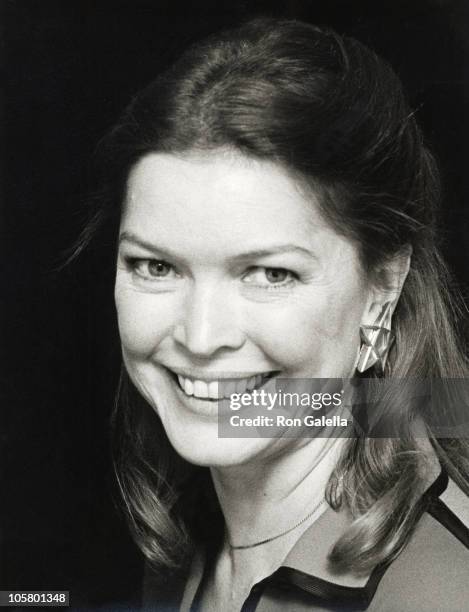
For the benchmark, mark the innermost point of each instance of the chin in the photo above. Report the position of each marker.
(201, 445)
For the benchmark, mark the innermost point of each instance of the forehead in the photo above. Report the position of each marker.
(227, 200)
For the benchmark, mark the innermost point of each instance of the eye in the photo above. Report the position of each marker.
(270, 277)
(151, 269)
(276, 275)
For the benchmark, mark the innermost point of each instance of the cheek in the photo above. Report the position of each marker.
(314, 329)
(143, 320)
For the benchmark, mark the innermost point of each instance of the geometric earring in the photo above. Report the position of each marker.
(376, 340)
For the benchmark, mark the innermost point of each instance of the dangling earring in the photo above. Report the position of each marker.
(376, 341)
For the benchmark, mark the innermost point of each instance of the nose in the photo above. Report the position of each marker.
(209, 322)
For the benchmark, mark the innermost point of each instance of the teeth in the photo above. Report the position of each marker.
(187, 385)
(229, 388)
(241, 385)
(251, 383)
(214, 390)
(200, 388)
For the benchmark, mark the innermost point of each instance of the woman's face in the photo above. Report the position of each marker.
(226, 270)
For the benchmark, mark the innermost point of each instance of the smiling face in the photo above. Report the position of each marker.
(227, 270)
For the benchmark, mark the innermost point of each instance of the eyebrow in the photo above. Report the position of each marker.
(254, 254)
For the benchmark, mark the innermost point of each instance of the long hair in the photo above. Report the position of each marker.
(333, 114)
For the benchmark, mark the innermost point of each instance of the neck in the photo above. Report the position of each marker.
(274, 494)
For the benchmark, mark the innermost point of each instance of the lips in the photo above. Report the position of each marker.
(219, 388)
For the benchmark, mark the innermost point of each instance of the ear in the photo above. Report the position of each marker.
(386, 286)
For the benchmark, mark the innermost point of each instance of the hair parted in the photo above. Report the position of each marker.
(332, 113)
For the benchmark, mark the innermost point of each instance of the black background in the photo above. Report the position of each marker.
(70, 68)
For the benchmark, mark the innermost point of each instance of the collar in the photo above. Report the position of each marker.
(306, 568)
(310, 572)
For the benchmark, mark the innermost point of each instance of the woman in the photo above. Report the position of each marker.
(275, 206)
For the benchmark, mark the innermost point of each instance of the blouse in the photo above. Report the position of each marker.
(431, 574)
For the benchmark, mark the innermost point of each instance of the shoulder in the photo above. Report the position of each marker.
(431, 573)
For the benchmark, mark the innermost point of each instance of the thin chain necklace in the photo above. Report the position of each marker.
(284, 533)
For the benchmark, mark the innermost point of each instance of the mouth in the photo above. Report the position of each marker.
(219, 388)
